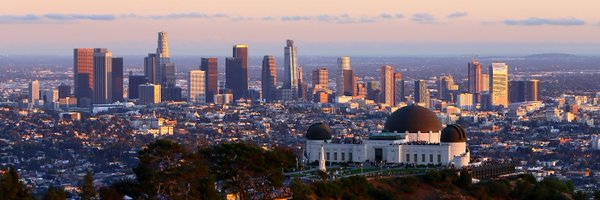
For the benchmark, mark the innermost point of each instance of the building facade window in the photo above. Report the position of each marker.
(422, 157)
(327, 155)
(407, 157)
(334, 155)
(439, 158)
(416, 158)
(343, 156)
(430, 157)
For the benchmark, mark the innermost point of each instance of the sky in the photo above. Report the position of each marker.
(318, 27)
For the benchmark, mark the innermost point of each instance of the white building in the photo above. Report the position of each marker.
(412, 135)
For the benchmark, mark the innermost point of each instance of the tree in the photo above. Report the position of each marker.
(109, 193)
(464, 180)
(11, 187)
(597, 195)
(88, 192)
(300, 190)
(55, 193)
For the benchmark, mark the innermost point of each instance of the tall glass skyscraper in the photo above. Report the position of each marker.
(343, 64)
(421, 93)
(499, 84)
(475, 79)
(210, 67)
(196, 87)
(236, 71)
(269, 78)
(103, 83)
(83, 75)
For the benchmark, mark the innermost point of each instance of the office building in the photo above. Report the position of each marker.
(523, 90)
(290, 66)
(149, 94)
(398, 88)
(236, 71)
(499, 84)
(447, 89)
(64, 90)
(210, 67)
(134, 83)
(196, 87)
(465, 101)
(421, 93)
(103, 84)
(83, 75)
(170, 93)
(150, 68)
(475, 79)
(163, 59)
(349, 83)
(269, 78)
(117, 80)
(343, 63)
(320, 79)
(34, 91)
(387, 85)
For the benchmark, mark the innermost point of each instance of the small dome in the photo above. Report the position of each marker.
(318, 131)
(413, 118)
(453, 133)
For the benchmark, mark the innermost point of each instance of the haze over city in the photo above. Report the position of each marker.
(337, 27)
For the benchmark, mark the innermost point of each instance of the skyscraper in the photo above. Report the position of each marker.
(236, 71)
(64, 90)
(523, 90)
(343, 64)
(103, 83)
(196, 87)
(34, 91)
(210, 67)
(475, 79)
(290, 66)
(117, 79)
(150, 68)
(149, 94)
(398, 88)
(499, 84)
(134, 82)
(83, 75)
(349, 83)
(165, 70)
(421, 93)
(387, 85)
(269, 78)
(445, 88)
(320, 80)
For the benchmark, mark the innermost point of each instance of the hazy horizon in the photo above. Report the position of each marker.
(336, 27)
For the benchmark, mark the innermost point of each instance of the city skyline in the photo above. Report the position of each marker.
(566, 27)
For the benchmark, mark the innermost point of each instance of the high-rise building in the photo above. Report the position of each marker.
(320, 79)
(465, 101)
(499, 84)
(34, 91)
(236, 71)
(165, 70)
(421, 93)
(150, 68)
(269, 78)
(103, 83)
(210, 67)
(196, 87)
(290, 66)
(83, 75)
(373, 91)
(485, 79)
(117, 79)
(170, 93)
(387, 85)
(398, 88)
(361, 90)
(149, 94)
(523, 90)
(475, 79)
(349, 83)
(343, 64)
(64, 90)
(446, 88)
(49, 97)
(134, 83)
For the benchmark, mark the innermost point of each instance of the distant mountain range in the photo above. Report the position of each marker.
(551, 56)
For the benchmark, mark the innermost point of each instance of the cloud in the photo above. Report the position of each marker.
(534, 21)
(79, 17)
(457, 15)
(391, 16)
(9, 19)
(424, 18)
(340, 19)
